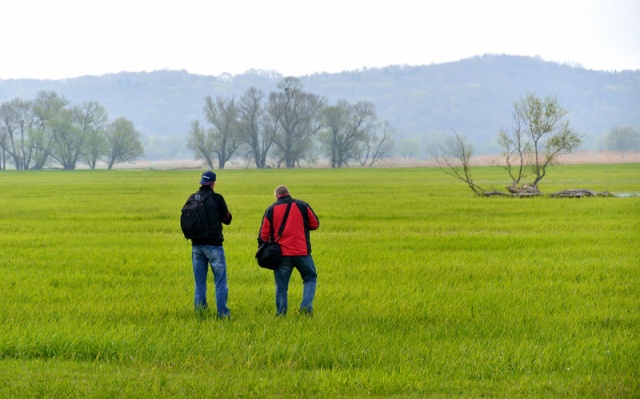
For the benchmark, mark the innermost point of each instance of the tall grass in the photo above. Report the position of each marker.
(424, 289)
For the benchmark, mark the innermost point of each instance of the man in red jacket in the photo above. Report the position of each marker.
(295, 244)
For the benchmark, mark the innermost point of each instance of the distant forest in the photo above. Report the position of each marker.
(473, 97)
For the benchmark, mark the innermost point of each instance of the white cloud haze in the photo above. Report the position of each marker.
(53, 39)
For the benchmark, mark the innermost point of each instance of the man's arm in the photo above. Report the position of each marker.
(314, 222)
(223, 210)
(265, 229)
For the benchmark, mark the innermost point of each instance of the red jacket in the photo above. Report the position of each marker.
(295, 240)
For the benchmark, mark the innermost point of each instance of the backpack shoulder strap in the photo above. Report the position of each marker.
(206, 195)
(193, 197)
(284, 219)
(202, 199)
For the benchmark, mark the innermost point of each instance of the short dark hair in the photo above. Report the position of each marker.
(281, 190)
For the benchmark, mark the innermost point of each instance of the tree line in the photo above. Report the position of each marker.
(48, 130)
(289, 126)
(284, 128)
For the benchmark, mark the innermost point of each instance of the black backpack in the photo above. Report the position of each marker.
(194, 220)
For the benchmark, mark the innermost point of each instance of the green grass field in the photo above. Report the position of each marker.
(424, 289)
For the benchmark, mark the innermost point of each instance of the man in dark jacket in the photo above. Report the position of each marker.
(209, 251)
(295, 244)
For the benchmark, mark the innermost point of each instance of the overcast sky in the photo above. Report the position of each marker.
(53, 39)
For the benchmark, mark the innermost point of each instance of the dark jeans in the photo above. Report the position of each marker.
(205, 256)
(307, 270)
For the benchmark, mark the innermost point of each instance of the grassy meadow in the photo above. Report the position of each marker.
(424, 290)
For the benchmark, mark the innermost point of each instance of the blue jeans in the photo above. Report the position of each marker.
(202, 257)
(282, 275)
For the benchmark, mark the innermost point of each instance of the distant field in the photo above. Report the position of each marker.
(424, 289)
(578, 158)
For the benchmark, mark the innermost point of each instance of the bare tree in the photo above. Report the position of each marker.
(335, 119)
(7, 126)
(296, 115)
(376, 145)
(548, 134)
(123, 142)
(348, 127)
(4, 140)
(540, 134)
(454, 160)
(67, 140)
(76, 132)
(16, 121)
(46, 107)
(200, 143)
(96, 147)
(623, 138)
(91, 119)
(256, 126)
(516, 149)
(225, 133)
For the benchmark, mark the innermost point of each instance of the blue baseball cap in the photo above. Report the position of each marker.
(208, 177)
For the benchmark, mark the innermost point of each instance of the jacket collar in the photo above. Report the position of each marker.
(284, 199)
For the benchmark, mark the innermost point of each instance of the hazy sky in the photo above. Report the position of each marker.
(52, 39)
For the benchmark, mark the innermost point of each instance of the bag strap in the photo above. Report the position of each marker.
(206, 195)
(284, 220)
(202, 199)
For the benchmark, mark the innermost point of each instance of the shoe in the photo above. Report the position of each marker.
(308, 311)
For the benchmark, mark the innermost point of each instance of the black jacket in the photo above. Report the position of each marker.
(218, 214)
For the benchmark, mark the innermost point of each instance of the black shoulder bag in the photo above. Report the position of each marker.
(269, 254)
